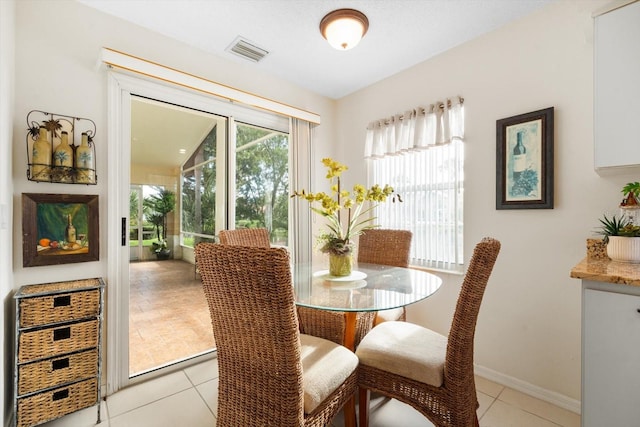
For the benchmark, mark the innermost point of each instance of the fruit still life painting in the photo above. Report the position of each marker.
(62, 228)
(59, 229)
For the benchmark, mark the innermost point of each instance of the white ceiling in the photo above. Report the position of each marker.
(165, 135)
(401, 33)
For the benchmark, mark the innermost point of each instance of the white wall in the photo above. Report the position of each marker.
(7, 13)
(528, 332)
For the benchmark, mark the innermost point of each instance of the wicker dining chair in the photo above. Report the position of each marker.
(269, 373)
(257, 237)
(388, 247)
(375, 246)
(430, 372)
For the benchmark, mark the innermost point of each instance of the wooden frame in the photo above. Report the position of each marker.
(59, 229)
(524, 161)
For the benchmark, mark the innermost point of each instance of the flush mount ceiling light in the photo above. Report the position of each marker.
(344, 28)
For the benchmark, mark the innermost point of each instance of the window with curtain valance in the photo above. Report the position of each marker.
(420, 153)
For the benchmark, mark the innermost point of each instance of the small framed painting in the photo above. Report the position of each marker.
(524, 161)
(59, 229)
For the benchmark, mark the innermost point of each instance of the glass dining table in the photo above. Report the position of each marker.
(370, 287)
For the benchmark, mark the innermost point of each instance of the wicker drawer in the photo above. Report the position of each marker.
(44, 310)
(48, 342)
(56, 371)
(55, 403)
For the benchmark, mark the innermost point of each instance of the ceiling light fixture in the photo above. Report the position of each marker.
(344, 28)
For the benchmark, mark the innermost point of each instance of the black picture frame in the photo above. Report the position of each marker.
(44, 220)
(524, 179)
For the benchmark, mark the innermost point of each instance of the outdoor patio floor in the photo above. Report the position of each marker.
(168, 315)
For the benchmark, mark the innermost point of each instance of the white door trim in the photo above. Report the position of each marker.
(121, 86)
(118, 170)
(120, 89)
(134, 64)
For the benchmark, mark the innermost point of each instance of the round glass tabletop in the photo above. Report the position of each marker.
(371, 287)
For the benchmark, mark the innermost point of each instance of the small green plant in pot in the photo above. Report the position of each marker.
(615, 226)
(160, 205)
(622, 238)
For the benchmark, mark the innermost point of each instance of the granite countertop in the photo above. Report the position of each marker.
(605, 270)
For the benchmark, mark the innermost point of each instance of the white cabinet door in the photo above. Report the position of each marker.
(611, 359)
(617, 87)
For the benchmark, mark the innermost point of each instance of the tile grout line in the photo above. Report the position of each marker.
(488, 407)
(537, 415)
(204, 401)
(153, 401)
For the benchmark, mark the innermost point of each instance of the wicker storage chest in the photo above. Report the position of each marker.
(58, 350)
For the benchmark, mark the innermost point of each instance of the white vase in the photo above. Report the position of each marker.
(41, 158)
(85, 170)
(624, 249)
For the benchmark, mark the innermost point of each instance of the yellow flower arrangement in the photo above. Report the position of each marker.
(337, 240)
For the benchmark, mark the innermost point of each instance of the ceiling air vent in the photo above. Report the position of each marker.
(247, 50)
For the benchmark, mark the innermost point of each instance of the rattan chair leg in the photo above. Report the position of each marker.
(363, 406)
(350, 412)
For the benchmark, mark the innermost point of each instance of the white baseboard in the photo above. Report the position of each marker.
(552, 397)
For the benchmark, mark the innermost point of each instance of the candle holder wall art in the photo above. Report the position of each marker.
(59, 229)
(60, 148)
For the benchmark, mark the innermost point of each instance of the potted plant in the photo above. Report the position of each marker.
(622, 237)
(336, 240)
(159, 205)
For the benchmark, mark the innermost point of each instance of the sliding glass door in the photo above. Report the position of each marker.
(254, 164)
(228, 166)
(222, 174)
(261, 184)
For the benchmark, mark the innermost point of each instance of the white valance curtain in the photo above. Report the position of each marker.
(417, 129)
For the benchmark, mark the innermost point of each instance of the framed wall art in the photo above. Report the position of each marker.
(524, 161)
(59, 229)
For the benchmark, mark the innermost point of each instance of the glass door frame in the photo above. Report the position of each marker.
(121, 87)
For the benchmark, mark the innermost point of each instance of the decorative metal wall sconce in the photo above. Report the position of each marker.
(60, 148)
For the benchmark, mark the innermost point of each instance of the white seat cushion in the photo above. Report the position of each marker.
(405, 349)
(389, 315)
(325, 365)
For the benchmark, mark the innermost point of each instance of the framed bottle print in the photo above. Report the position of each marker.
(524, 161)
(59, 229)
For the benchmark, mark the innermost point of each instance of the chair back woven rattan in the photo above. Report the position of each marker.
(454, 403)
(375, 246)
(253, 316)
(256, 237)
(387, 247)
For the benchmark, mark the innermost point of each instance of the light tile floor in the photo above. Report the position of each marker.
(188, 398)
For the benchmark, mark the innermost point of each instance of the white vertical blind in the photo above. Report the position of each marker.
(301, 169)
(420, 154)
